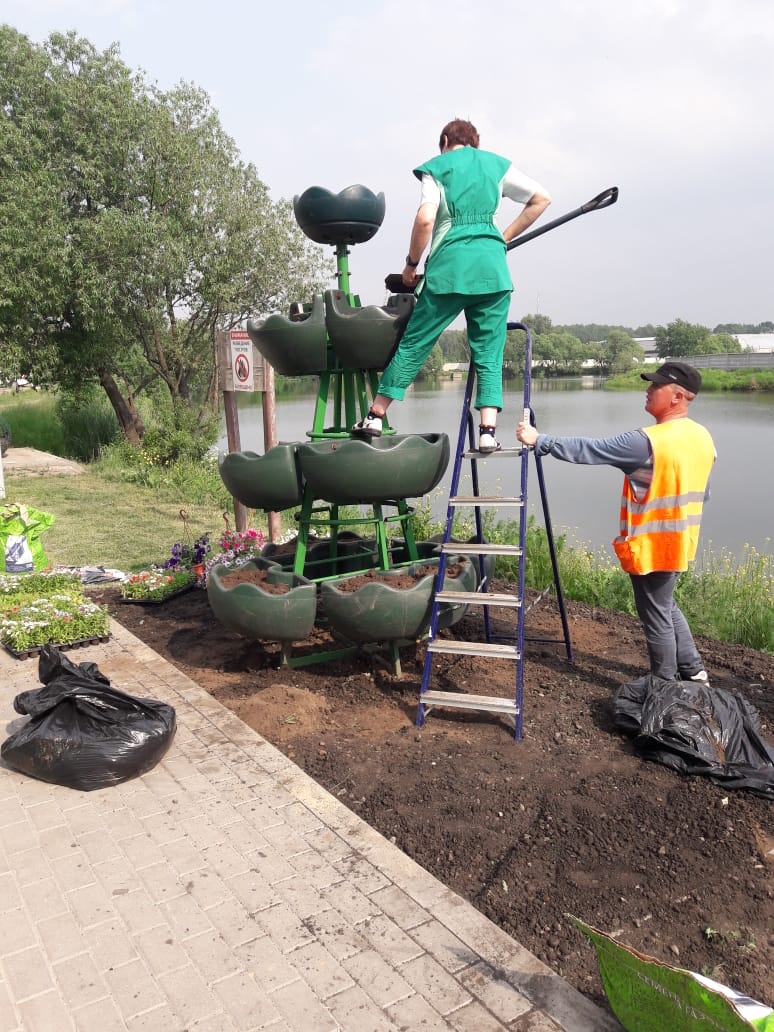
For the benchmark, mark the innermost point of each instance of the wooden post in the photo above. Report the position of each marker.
(261, 378)
(234, 445)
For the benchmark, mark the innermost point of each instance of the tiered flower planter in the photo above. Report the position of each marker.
(345, 345)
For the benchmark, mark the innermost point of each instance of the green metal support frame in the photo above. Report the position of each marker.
(346, 391)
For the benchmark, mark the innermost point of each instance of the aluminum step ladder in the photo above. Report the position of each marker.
(510, 648)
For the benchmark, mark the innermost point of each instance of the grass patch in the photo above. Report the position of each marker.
(33, 420)
(109, 522)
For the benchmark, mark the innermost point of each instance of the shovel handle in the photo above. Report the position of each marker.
(602, 200)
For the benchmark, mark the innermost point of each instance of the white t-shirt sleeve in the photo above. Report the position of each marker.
(431, 191)
(519, 187)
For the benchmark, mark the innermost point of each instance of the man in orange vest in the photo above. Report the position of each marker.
(666, 472)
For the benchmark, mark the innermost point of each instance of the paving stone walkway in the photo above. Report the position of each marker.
(225, 890)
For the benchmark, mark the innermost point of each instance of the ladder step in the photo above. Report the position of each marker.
(503, 453)
(473, 648)
(486, 500)
(474, 548)
(459, 700)
(482, 598)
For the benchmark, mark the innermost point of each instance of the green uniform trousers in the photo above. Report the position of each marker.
(486, 316)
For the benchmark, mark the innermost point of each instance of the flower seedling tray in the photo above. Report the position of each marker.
(35, 650)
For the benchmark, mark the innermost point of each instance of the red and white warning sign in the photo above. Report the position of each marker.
(241, 360)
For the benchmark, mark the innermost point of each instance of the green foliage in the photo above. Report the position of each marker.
(433, 367)
(193, 481)
(454, 346)
(730, 599)
(537, 324)
(88, 424)
(711, 380)
(33, 421)
(122, 207)
(763, 327)
(514, 356)
(724, 344)
(619, 353)
(682, 339)
(720, 597)
(594, 333)
(164, 447)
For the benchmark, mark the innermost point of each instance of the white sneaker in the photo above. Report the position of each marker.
(487, 442)
(702, 677)
(371, 426)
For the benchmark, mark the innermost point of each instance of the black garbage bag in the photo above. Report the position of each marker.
(83, 733)
(696, 729)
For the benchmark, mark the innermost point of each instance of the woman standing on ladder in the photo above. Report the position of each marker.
(465, 271)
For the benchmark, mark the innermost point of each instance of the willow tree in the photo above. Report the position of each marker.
(153, 233)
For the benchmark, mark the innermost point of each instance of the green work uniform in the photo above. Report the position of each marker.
(465, 271)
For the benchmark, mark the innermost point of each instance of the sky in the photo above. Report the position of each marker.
(669, 100)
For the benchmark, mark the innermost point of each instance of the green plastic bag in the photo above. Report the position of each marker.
(649, 996)
(21, 550)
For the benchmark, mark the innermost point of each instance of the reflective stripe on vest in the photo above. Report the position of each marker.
(661, 532)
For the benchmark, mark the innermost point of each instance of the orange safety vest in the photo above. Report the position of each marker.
(661, 531)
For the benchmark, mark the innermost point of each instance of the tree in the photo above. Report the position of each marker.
(454, 345)
(32, 230)
(433, 367)
(537, 323)
(681, 339)
(619, 353)
(154, 234)
(514, 356)
(724, 343)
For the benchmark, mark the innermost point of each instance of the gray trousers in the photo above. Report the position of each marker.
(672, 650)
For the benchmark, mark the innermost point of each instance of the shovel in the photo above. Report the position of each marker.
(394, 282)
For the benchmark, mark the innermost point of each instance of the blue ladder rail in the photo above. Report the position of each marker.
(495, 647)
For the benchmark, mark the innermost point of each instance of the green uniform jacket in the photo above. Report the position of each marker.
(467, 252)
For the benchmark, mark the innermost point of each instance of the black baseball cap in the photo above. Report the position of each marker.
(680, 373)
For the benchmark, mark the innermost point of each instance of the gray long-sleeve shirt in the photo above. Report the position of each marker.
(630, 452)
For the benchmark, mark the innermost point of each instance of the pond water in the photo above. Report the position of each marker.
(583, 500)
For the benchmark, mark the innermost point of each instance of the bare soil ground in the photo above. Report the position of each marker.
(567, 820)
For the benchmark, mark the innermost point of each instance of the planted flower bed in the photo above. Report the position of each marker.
(156, 585)
(189, 566)
(48, 609)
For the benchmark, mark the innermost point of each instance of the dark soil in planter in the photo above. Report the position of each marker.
(250, 575)
(570, 819)
(398, 581)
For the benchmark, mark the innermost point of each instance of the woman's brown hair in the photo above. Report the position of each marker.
(459, 133)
